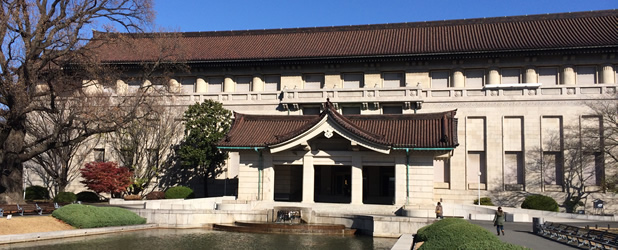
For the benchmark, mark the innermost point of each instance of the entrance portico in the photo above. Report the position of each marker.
(356, 159)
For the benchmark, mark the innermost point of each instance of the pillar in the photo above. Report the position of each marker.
(200, 85)
(607, 74)
(458, 78)
(174, 86)
(494, 76)
(568, 75)
(357, 180)
(530, 76)
(228, 84)
(258, 84)
(308, 178)
(121, 87)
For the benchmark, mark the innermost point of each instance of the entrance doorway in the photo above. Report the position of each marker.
(333, 184)
(288, 183)
(379, 185)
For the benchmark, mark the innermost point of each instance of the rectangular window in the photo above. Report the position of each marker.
(441, 171)
(188, 84)
(392, 80)
(352, 81)
(511, 76)
(351, 110)
(392, 110)
(552, 168)
(215, 84)
(272, 82)
(127, 157)
(153, 157)
(592, 168)
(439, 79)
(314, 81)
(99, 154)
(513, 168)
(311, 110)
(475, 78)
(477, 164)
(548, 76)
(243, 84)
(586, 75)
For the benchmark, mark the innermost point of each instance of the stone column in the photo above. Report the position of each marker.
(458, 78)
(308, 178)
(607, 74)
(568, 75)
(357, 180)
(332, 81)
(530, 76)
(200, 85)
(174, 86)
(121, 87)
(228, 84)
(258, 84)
(494, 76)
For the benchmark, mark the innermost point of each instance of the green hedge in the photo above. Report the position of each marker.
(85, 216)
(179, 192)
(65, 197)
(485, 201)
(36, 193)
(540, 202)
(454, 233)
(87, 196)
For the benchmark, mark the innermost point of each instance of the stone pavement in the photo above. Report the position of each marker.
(520, 233)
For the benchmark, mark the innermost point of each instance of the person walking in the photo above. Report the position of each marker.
(499, 218)
(439, 211)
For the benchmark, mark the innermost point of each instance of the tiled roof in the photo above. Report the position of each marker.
(518, 33)
(429, 130)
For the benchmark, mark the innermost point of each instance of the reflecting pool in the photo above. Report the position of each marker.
(169, 239)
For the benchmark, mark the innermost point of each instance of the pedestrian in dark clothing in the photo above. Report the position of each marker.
(439, 211)
(499, 220)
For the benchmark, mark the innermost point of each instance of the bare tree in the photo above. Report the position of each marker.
(606, 109)
(50, 57)
(144, 146)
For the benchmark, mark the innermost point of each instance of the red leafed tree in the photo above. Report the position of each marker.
(106, 177)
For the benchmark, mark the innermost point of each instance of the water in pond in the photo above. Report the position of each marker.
(207, 239)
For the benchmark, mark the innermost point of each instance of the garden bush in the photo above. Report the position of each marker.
(37, 193)
(87, 196)
(485, 201)
(540, 202)
(65, 197)
(179, 192)
(85, 216)
(456, 233)
(132, 197)
(155, 195)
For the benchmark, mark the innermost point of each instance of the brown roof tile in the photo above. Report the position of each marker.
(550, 31)
(430, 130)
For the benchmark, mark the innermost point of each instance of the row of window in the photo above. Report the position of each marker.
(353, 110)
(472, 78)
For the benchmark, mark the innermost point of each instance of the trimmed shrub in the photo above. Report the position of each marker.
(87, 196)
(456, 233)
(540, 202)
(485, 201)
(155, 195)
(37, 193)
(85, 216)
(179, 192)
(65, 197)
(426, 232)
(132, 197)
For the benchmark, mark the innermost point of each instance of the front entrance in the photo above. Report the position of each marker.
(333, 184)
(288, 183)
(378, 185)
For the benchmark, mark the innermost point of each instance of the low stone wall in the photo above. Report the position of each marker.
(197, 218)
(375, 225)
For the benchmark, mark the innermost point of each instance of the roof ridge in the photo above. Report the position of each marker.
(384, 26)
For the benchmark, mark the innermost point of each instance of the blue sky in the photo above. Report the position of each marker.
(208, 15)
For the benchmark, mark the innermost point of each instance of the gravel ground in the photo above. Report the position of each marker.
(31, 224)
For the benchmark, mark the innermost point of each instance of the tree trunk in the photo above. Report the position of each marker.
(11, 185)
